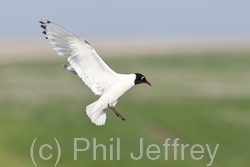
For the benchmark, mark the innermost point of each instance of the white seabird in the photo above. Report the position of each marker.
(94, 72)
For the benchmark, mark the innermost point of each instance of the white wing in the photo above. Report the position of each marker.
(82, 57)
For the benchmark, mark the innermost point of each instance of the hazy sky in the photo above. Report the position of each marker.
(19, 18)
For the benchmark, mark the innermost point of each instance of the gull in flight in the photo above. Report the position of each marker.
(94, 72)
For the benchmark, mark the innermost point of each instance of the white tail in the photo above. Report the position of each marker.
(96, 115)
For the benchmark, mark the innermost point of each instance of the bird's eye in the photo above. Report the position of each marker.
(142, 78)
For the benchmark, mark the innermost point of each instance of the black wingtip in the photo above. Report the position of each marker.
(87, 42)
(43, 26)
(44, 22)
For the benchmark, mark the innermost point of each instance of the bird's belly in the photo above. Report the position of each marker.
(112, 95)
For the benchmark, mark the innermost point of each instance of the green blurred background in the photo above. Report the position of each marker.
(201, 98)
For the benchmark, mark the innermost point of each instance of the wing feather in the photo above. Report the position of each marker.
(94, 72)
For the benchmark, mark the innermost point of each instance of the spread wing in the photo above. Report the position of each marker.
(83, 59)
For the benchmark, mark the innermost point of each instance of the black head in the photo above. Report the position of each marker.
(141, 79)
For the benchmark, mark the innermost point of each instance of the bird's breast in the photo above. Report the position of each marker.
(116, 91)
